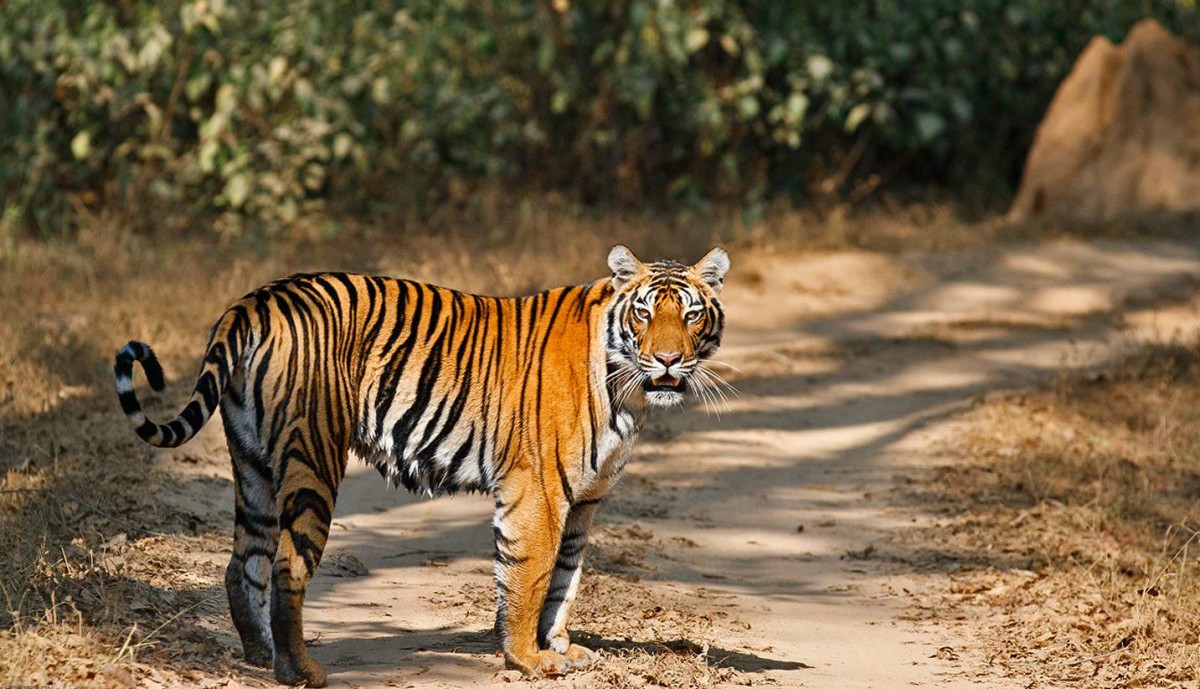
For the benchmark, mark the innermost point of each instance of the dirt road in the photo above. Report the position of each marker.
(763, 546)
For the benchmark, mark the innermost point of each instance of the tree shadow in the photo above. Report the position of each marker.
(713, 656)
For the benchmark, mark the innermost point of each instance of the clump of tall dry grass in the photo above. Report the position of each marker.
(1074, 524)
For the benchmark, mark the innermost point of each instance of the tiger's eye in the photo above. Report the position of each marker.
(642, 313)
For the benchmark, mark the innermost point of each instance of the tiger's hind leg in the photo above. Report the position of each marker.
(312, 465)
(255, 534)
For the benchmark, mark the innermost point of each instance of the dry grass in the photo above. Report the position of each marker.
(1071, 524)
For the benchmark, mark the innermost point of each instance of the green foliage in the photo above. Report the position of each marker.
(260, 112)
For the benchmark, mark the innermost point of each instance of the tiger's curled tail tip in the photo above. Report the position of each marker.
(140, 351)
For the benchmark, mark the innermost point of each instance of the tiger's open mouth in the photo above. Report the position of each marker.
(665, 384)
(665, 391)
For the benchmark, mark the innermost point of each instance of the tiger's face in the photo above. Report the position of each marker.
(664, 321)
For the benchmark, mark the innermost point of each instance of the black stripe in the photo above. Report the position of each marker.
(457, 460)
(568, 552)
(129, 402)
(147, 430)
(425, 384)
(396, 365)
(193, 415)
(562, 476)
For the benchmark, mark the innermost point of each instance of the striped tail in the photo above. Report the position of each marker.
(219, 360)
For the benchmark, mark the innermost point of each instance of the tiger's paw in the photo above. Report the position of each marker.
(580, 656)
(302, 671)
(258, 655)
(546, 663)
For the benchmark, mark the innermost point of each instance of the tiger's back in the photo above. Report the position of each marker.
(431, 383)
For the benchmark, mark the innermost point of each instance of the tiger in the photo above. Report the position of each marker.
(535, 401)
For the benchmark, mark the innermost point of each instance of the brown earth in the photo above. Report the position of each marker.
(1122, 134)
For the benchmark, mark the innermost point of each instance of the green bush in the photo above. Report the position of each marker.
(257, 113)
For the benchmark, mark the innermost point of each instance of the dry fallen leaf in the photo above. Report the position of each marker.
(344, 565)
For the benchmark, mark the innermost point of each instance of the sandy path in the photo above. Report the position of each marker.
(852, 367)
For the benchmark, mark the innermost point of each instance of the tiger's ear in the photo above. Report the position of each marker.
(712, 268)
(624, 265)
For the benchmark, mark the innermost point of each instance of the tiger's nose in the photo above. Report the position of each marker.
(667, 358)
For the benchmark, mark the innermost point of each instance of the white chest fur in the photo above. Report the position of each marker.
(614, 447)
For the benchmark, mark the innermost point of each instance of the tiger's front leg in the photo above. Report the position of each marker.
(528, 527)
(564, 584)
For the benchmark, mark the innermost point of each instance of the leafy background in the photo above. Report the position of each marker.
(252, 115)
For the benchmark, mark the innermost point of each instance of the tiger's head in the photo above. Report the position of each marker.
(663, 322)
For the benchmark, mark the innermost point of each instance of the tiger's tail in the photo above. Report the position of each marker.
(224, 348)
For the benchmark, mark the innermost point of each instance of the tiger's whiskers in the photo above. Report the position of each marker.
(713, 389)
